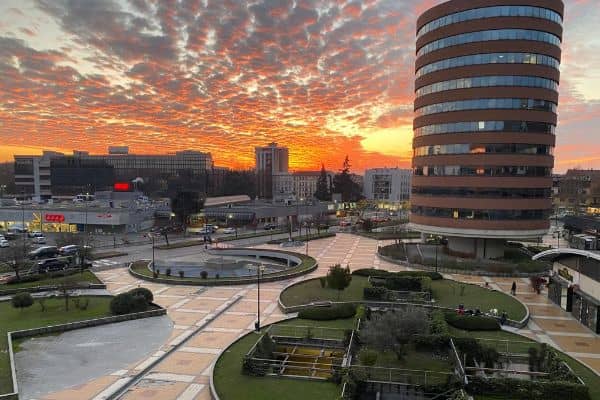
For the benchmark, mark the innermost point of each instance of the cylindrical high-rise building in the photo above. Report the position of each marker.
(486, 94)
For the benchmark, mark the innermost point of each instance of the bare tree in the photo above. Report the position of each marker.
(66, 289)
(17, 258)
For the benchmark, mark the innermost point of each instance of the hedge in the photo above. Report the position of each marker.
(340, 311)
(438, 324)
(128, 302)
(380, 273)
(431, 342)
(375, 293)
(472, 322)
(528, 390)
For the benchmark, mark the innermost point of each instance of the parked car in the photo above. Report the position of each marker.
(50, 264)
(43, 252)
(210, 228)
(39, 239)
(35, 234)
(345, 223)
(9, 236)
(4, 243)
(270, 226)
(228, 231)
(69, 250)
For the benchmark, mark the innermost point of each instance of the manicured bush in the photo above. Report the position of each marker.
(380, 273)
(340, 311)
(323, 281)
(126, 303)
(28, 278)
(375, 293)
(141, 291)
(181, 274)
(168, 272)
(472, 322)
(22, 300)
(203, 274)
(405, 283)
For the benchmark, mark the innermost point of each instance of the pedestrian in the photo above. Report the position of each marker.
(503, 318)
(513, 289)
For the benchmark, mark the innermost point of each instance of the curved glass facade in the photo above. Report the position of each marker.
(488, 81)
(493, 215)
(490, 12)
(458, 170)
(485, 126)
(487, 104)
(501, 148)
(504, 193)
(491, 35)
(489, 58)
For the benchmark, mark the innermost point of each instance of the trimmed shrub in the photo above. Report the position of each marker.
(406, 283)
(340, 311)
(168, 272)
(375, 293)
(126, 303)
(203, 274)
(141, 291)
(22, 300)
(472, 322)
(380, 273)
(181, 274)
(121, 304)
(323, 281)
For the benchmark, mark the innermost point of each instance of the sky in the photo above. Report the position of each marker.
(325, 78)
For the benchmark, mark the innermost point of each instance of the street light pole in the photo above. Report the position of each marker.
(436, 258)
(153, 262)
(23, 220)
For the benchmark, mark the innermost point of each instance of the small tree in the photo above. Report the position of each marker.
(66, 288)
(17, 257)
(392, 330)
(22, 300)
(338, 278)
(322, 192)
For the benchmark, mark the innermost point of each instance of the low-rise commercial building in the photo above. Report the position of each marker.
(575, 283)
(111, 212)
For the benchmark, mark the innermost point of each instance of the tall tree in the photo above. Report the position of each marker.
(322, 192)
(343, 183)
(186, 203)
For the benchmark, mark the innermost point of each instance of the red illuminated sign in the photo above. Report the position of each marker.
(54, 218)
(122, 187)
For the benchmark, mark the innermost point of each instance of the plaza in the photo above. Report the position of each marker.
(207, 320)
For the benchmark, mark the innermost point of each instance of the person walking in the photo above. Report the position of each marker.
(513, 288)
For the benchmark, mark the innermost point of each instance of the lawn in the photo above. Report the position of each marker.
(231, 384)
(12, 319)
(78, 277)
(447, 293)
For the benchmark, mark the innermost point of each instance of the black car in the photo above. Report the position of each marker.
(43, 252)
(269, 227)
(50, 264)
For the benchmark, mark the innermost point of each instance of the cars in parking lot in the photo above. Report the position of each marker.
(228, 231)
(39, 239)
(35, 234)
(68, 250)
(270, 226)
(4, 242)
(50, 264)
(43, 252)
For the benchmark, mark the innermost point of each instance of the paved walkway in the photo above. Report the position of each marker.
(184, 374)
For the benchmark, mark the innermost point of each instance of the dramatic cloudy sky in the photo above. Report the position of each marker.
(324, 77)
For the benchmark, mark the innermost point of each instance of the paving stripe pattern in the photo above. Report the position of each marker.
(184, 374)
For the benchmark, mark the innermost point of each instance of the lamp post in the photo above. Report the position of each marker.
(153, 262)
(259, 270)
(436, 258)
(23, 220)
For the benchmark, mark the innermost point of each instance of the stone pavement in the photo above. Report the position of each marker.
(184, 374)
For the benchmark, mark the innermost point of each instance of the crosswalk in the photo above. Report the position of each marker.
(105, 263)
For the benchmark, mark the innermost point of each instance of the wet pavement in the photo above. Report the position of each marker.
(50, 363)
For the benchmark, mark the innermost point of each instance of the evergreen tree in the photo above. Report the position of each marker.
(343, 183)
(322, 192)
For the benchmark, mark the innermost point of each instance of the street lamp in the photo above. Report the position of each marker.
(153, 263)
(23, 220)
(259, 270)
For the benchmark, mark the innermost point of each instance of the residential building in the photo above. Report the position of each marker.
(387, 185)
(486, 97)
(577, 190)
(300, 185)
(271, 160)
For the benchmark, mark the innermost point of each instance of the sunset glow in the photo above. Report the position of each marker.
(325, 78)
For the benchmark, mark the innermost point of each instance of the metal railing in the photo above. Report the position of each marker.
(403, 376)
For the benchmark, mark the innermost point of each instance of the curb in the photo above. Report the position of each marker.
(140, 375)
